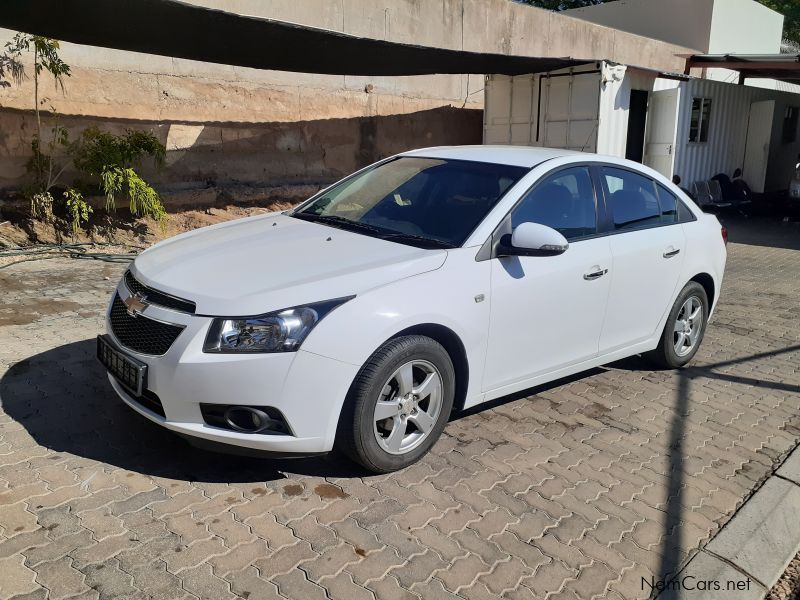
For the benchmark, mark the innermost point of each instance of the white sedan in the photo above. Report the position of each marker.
(434, 280)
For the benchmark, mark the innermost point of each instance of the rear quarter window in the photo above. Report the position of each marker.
(673, 209)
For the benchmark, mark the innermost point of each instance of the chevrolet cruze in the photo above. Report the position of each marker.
(434, 280)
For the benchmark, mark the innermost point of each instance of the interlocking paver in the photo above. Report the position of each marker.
(60, 578)
(16, 579)
(342, 587)
(202, 582)
(294, 584)
(578, 491)
(246, 583)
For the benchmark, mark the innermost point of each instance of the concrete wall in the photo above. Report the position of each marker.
(275, 153)
(226, 123)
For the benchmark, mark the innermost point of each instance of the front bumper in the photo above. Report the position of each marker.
(308, 389)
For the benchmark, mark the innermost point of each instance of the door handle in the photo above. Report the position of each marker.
(595, 274)
(671, 253)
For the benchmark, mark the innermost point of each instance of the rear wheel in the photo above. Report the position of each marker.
(684, 329)
(398, 404)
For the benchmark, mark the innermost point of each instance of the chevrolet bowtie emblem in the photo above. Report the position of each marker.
(135, 304)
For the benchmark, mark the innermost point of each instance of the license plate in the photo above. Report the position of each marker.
(130, 372)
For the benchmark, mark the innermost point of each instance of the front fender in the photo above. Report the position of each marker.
(455, 296)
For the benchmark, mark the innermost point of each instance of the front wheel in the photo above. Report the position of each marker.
(684, 329)
(398, 404)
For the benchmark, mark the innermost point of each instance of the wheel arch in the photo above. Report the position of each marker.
(452, 343)
(707, 282)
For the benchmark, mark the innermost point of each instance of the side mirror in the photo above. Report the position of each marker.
(533, 239)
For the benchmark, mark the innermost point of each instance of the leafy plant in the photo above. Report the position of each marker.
(111, 159)
(77, 207)
(42, 206)
(45, 58)
(107, 159)
(10, 67)
(45, 169)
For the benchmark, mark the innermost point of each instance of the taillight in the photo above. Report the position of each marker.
(725, 235)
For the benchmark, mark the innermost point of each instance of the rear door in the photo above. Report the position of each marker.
(647, 251)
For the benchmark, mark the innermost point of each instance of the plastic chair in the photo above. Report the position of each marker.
(715, 189)
(701, 193)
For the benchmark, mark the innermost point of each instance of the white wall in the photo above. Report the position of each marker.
(744, 27)
(683, 22)
(710, 26)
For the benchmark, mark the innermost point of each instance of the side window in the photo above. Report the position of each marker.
(700, 119)
(631, 199)
(673, 210)
(564, 201)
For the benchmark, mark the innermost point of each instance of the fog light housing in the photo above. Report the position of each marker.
(264, 420)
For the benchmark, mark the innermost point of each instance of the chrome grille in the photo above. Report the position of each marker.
(139, 333)
(156, 297)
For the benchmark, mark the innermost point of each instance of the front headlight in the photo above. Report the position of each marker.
(279, 331)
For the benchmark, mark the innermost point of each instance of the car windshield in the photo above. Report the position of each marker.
(424, 202)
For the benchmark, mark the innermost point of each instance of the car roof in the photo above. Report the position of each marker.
(521, 156)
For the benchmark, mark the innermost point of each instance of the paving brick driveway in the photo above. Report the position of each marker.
(576, 490)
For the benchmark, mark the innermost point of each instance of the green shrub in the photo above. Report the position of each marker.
(110, 159)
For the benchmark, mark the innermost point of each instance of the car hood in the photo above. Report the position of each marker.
(269, 262)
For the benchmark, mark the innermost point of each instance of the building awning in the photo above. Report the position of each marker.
(178, 29)
(658, 73)
(784, 67)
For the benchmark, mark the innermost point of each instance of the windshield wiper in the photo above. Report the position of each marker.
(336, 221)
(410, 237)
(381, 232)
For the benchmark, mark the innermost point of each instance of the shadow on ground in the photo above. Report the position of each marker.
(62, 397)
(768, 231)
(672, 545)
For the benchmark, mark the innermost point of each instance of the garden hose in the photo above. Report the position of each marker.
(75, 250)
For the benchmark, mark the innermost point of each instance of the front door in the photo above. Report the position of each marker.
(662, 131)
(647, 252)
(547, 311)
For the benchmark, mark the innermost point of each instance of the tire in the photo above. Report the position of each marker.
(384, 380)
(666, 353)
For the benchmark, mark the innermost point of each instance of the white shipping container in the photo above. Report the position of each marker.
(589, 108)
(557, 110)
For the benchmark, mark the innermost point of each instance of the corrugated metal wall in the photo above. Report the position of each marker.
(727, 132)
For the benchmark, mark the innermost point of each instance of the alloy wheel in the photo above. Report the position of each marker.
(408, 407)
(688, 326)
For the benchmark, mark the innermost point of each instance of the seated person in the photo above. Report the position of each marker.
(741, 190)
(676, 179)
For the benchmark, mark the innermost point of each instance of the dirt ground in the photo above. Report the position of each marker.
(121, 227)
(116, 233)
(788, 586)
